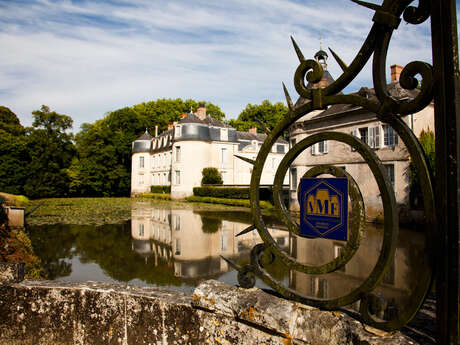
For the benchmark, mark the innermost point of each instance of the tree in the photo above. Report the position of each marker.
(427, 141)
(211, 176)
(51, 151)
(102, 166)
(270, 114)
(13, 153)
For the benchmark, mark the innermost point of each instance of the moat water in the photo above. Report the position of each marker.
(177, 248)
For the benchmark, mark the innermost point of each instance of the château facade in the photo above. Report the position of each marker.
(365, 125)
(177, 156)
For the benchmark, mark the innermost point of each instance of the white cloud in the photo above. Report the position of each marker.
(86, 58)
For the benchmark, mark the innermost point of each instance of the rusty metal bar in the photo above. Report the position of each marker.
(447, 127)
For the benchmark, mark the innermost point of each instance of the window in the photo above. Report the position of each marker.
(164, 178)
(294, 178)
(177, 153)
(319, 287)
(177, 177)
(223, 156)
(338, 249)
(141, 179)
(390, 138)
(176, 222)
(169, 177)
(223, 243)
(156, 160)
(374, 137)
(177, 131)
(224, 134)
(177, 251)
(141, 162)
(141, 230)
(391, 173)
(280, 148)
(364, 134)
(319, 148)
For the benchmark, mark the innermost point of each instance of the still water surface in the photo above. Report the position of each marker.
(176, 248)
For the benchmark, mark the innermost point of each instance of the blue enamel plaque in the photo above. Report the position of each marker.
(324, 208)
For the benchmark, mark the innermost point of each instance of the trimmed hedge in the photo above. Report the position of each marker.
(230, 192)
(160, 189)
(222, 192)
(231, 202)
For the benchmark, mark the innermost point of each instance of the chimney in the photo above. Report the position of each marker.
(395, 72)
(156, 131)
(183, 115)
(170, 126)
(253, 130)
(201, 112)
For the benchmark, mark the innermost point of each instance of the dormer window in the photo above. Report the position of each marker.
(224, 134)
(178, 131)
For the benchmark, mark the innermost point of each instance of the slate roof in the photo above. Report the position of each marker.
(258, 137)
(191, 118)
(394, 88)
(211, 121)
(145, 136)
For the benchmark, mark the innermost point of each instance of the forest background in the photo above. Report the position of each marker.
(48, 160)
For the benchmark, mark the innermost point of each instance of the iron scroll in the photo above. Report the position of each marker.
(388, 110)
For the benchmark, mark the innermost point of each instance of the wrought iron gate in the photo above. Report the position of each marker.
(439, 82)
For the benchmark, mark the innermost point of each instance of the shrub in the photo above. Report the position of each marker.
(231, 202)
(211, 176)
(222, 192)
(160, 189)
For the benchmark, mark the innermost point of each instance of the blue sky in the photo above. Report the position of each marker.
(85, 58)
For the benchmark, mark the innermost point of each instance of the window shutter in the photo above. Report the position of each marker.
(354, 133)
(313, 149)
(371, 137)
(377, 137)
(325, 146)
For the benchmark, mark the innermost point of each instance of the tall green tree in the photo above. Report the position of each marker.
(270, 114)
(14, 155)
(103, 163)
(102, 166)
(51, 151)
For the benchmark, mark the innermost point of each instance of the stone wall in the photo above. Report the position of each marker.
(51, 312)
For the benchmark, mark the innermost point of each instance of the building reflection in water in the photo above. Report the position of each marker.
(191, 242)
(396, 286)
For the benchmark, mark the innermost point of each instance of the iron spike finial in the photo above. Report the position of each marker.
(342, 64)
(232, 264)
(249, 160)
(297, 50)
(265, 129)
(288, 98)
(245, 231)
(367, 4)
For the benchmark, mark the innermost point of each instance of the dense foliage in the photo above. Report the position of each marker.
(268, 113)
(211, 176)
(33, 161)
(46, 161)
(102, 166)
(427, 141)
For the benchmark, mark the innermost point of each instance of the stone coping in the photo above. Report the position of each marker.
(56, 312)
